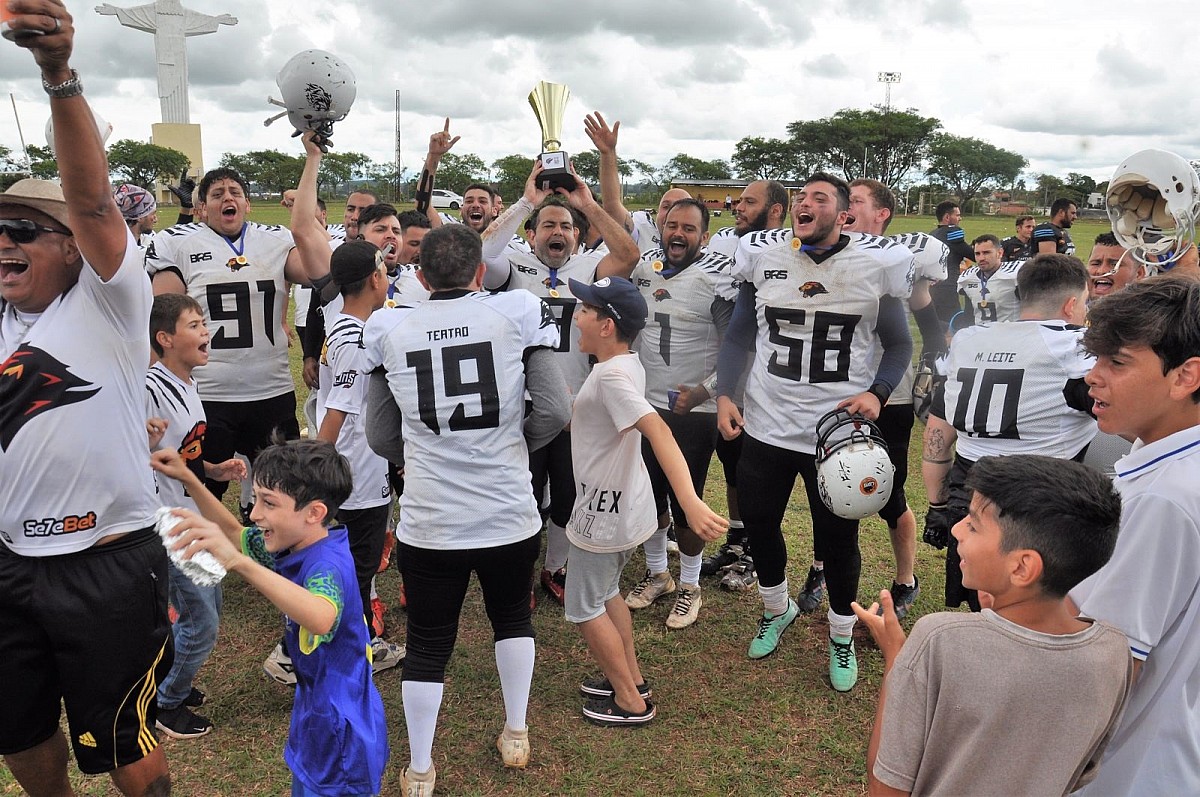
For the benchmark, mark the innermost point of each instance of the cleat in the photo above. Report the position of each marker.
(843, 664)
(599, 686)
(605, 711)
(514, 748)
(740, 576)
(686, 609)
(418, 784)
(770, 631)
(650, 589)
(385, 655)
(279, 668)
(726, 555)
(389, 544)
(903, 597)
(181, 723)
(555, 584)
(814, 590)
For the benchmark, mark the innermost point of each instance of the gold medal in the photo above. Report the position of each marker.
(657, 265)
(983, 303)
(554, 294)
(796, 244)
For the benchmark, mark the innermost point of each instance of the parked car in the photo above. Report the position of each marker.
(446, 199)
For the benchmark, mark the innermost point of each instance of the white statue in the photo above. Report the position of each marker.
(170, 23)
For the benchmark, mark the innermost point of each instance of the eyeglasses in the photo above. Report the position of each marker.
(24, 231)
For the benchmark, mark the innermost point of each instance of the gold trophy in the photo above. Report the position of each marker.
(549, 102)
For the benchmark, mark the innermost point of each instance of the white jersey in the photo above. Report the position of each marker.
(343, 370)
(169, 397)
(1150, 589)
(992, 298)
(455, 366)
(680, 342)
(404, 289)
(73, 447)
(929, 263)
(551, 285)
(243, 304)
(816, 328)
(645, 232)
(1004, 389)
(614, 503)
(724, 242)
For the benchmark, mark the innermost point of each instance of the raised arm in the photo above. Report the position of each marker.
(96, 223)
(440, 143)
(605, 139)
(623, 253)
(312, 240)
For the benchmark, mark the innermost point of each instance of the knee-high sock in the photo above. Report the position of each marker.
(514, 662)
(557, 547)
(689, 568)
(422, 701)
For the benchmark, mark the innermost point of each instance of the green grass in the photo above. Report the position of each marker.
(726, 725)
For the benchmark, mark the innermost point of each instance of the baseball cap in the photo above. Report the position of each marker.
(619, 297)
(353, 261)
(41, 195)
(134, 201)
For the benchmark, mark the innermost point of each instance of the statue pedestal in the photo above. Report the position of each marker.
(186, 139)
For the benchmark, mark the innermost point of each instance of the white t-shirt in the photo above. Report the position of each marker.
(243, 305)
(1004, 389)
(169, 397)
(456, 368)
(1150, 589)
(816, 328)
(73, 449)
(343, 370)
(680, 342)
(614, 505)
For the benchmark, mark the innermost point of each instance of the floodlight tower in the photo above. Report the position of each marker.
(888, 78)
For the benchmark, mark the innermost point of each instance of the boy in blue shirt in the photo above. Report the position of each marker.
(337, 743)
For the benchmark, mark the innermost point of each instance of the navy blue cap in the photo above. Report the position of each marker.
(617, 296)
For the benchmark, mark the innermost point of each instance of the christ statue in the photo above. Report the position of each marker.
(170, 23)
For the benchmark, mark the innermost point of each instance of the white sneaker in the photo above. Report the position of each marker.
(686, 609)
(513, 747)
(650, 589)
(385, 655)
(279, 668)
(418, 784)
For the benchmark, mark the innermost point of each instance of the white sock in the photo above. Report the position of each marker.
(558, 547)
(775, 599)
(689, 569)
(656, 551)
(841, 626)
(514, 662)
(422, 700)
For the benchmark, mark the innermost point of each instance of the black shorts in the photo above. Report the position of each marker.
(729, 452)
(553, 462)
(696, 435)
(246, 427)
(895, 425)
(89, 629)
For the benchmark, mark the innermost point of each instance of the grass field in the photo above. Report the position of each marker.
(726, 725)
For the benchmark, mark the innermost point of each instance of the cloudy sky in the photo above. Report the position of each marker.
(1072, 86)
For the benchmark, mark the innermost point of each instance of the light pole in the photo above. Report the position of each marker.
(888, 78)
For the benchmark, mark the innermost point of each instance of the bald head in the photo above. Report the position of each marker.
(670, 198)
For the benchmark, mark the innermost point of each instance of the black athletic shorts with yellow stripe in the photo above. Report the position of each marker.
(88, 629)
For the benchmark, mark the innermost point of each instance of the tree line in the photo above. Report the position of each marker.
(901, 148)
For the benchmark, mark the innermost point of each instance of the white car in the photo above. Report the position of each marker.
(446, 199)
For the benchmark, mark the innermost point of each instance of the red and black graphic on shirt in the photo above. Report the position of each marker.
(32, 382)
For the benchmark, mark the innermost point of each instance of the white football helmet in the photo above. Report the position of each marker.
(103, 127)
(317, 89)
(1154, 203)
(854, 474)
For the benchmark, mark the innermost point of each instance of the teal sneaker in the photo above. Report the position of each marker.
(843, 664)
(770, 629)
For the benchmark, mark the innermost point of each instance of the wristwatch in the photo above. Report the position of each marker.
(72, 87)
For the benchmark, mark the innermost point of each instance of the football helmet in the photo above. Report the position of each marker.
(854, 474)
(105, 129)
(1153, 203)
(317, 89)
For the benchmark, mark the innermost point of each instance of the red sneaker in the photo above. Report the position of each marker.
(377, 611)
(389, 543)
(556, 584)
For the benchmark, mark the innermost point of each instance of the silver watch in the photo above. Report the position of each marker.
(72, 87)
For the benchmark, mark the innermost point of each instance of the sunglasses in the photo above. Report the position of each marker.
(24, 231)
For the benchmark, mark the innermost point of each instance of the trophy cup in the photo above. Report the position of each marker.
(549, 102)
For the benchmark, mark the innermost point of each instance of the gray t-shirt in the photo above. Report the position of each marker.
(979, 705)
